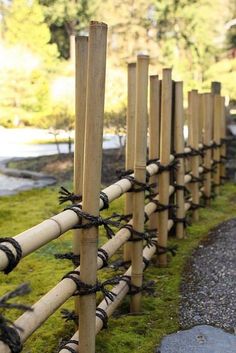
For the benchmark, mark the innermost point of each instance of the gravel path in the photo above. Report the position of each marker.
(209, 285)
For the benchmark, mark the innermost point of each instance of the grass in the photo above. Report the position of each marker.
(126, 333)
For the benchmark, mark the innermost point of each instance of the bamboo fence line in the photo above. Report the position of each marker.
(168, 153)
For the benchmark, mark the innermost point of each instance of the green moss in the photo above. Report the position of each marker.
(126, 333)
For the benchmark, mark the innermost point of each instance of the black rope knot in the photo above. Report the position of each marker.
(95, 221)
(65, 195)
(13, 259)
(180, 220)
(161, 207)
(121, 173)
(68, 315)
(148, 236)
(87, 289)
(69, 256)
(164, 249)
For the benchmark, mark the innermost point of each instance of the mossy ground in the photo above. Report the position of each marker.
(126, 333)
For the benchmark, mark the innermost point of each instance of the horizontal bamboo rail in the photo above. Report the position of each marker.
(50, 229)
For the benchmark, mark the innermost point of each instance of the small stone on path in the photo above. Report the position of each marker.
(199, 339)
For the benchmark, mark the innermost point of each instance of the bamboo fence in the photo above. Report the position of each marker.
(167, 170)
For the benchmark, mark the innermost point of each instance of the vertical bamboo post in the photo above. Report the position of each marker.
(179, 148)
(92, 178)
(139, 174)
(193, 137)
(164, 177)
(81, 58)
(216, 137)
(223, 136)
(207, 136)
(154, 134)
(130, 141)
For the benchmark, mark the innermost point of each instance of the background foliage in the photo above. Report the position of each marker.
(196, 38)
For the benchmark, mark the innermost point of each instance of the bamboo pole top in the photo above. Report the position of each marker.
(98, 24)
(153, 77)
(142, 57)
(167, 70)
(132, 64)
(79, 38)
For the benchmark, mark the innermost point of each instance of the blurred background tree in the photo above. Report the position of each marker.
(197, 38)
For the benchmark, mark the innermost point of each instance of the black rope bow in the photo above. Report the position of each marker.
(87, 289)
(121, 173)
(164, 249)
(120, 263)
(13, 259)
(168, 167)
(138, 186)
(65, 195)
(9, 334)
(95, 221)
(161, 207)
(69, 256)
(68, 315)
(148, 236)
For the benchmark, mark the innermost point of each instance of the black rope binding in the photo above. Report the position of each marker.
(180, 220)
(119, 264)
(165, 249)
(65, 195)
(161, 207)
(95, 221)
(69, 256)
(9, 334)
(148, 236)
(138, 186)
(121, 173)
(102, 315)
(68, 315)
(64, 345)
(13, 259)
(105, 200)
(86, 289)
(103, 255)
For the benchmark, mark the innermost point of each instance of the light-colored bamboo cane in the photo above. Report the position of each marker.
(223, 136)
(193, 125)
(163, 180)
(154, 135)
(139, 175)
(179, 148)
(207, 137)
(92, 178)
(81, 60)
(52, 228)
(130, 141)
(216, 136)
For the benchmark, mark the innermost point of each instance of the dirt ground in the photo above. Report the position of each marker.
(61, 166)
